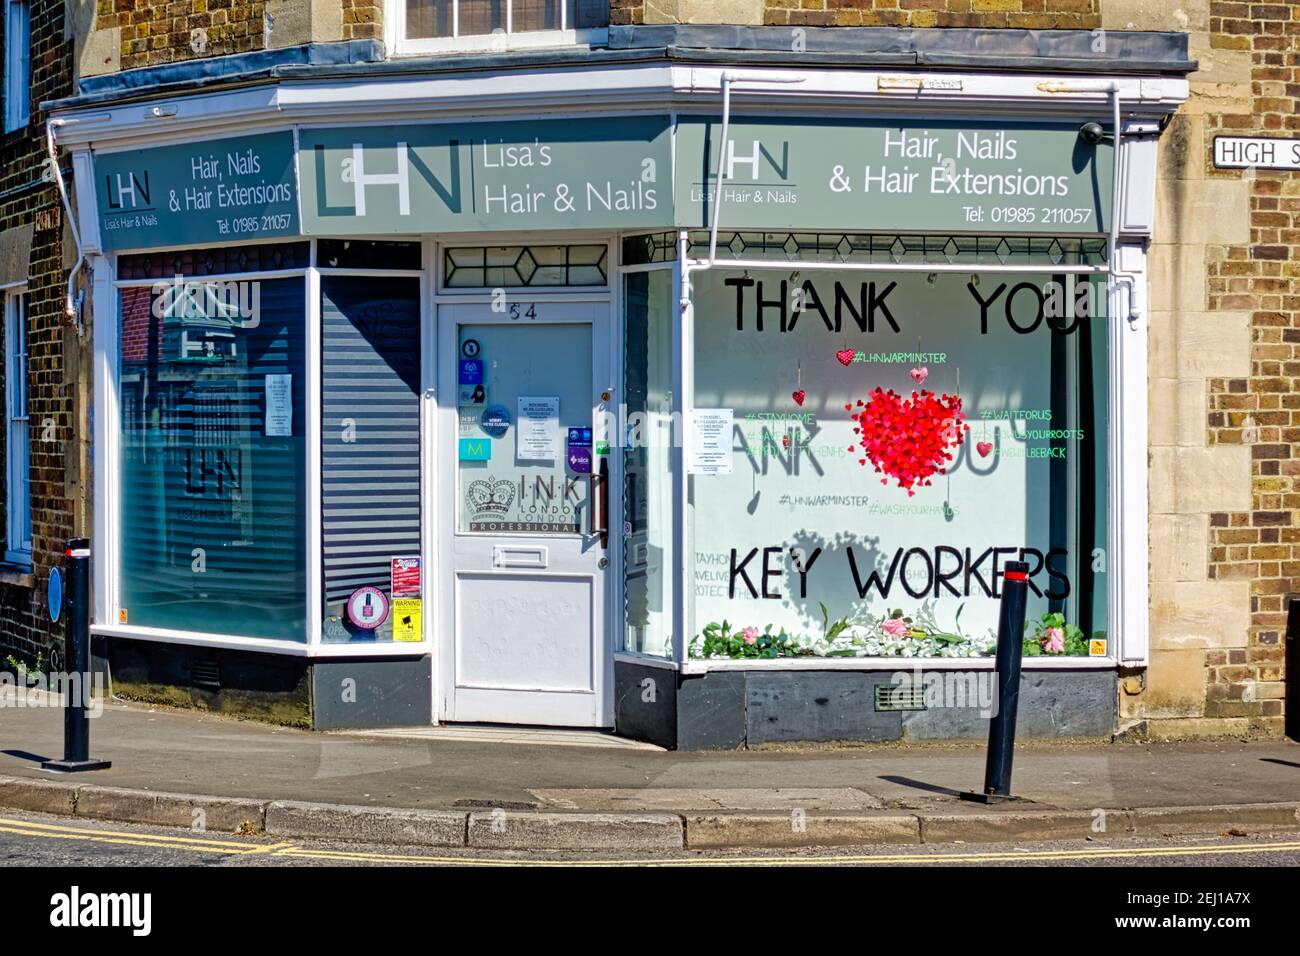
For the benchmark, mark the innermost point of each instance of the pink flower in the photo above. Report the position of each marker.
(1053, 640)
(895, 627)
(749, 634)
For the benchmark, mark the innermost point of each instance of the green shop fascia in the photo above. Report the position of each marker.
(409, 411)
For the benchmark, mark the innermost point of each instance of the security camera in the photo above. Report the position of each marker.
(1092, 133)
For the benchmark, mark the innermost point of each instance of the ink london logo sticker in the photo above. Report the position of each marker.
(542, 505)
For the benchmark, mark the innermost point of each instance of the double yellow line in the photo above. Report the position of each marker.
(195, 843)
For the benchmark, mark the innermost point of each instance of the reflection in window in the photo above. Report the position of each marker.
(212, 457)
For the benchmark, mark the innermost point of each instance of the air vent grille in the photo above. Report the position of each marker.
(905, 697)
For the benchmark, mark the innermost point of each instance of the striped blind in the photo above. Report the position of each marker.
(370, 439)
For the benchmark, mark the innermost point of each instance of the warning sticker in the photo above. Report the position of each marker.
(408, 620)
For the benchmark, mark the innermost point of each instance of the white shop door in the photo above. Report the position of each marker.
(525, 499)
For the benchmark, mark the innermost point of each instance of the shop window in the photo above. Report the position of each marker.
(212, 480)
(427, 25)
(530, 372)
(886, 442)
(214, 261)
(370, 458)
(648, 463)
(650, 248)
(18, 540)
(368, 254)
(18, 63)
(524, 266)
(883, 248)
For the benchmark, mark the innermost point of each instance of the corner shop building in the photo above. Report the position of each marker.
(435, 394)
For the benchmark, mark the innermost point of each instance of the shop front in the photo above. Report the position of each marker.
(415, 407)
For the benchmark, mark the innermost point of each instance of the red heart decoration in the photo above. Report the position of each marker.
(910, 440)
(798, 396)
(919, 375)
(984, 447)
(846, 356)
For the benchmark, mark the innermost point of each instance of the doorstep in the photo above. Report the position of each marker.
(493, 733)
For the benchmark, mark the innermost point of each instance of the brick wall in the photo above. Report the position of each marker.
(1023, 14)
(363, 19)
(156, 31)
(30, 198)
(1260, 277)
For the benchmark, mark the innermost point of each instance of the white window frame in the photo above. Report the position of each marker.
(18, 446)
(400, 45)
(18, 64)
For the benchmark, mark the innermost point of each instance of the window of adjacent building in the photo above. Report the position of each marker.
(884, 445)
(18, 65)
(18, 542)
(212, 458)
(490, 24)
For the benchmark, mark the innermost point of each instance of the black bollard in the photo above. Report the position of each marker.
(1002, 728)
(76, 678)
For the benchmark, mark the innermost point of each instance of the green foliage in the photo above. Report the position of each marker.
(1037, 638)
(719, 638)
(22, 669)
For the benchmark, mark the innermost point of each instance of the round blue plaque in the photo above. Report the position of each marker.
(54, 594)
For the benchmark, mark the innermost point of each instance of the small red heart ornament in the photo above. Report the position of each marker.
(799, 395)
(919, 375)
(984, 447)
(910, 440)
(846, 356)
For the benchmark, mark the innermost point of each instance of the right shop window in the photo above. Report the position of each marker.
(895, 439)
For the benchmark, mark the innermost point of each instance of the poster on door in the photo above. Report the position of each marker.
(538, 435)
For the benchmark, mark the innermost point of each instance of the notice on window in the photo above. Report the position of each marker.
(404, 577)
(279, 406)
(408, 625)
(710, 451)
(538, 431)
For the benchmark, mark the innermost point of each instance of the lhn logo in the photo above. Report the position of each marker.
(128, 190)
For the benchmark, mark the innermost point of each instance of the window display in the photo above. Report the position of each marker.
(896, 439)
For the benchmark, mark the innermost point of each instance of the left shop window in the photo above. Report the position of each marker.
(213, 457)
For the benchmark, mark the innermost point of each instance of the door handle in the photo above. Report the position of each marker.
(598, 495)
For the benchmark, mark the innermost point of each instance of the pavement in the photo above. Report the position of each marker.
(502, 789)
